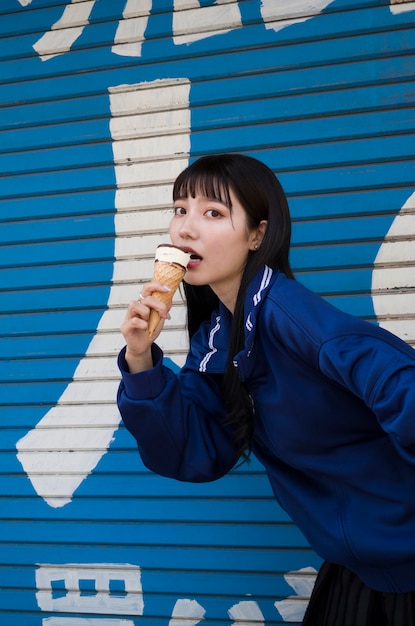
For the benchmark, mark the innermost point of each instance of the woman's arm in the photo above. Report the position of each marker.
(177, 421)
(380, 369)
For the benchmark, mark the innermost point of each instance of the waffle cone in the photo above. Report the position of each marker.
(170, 274)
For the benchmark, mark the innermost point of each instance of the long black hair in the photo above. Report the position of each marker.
(261, 195)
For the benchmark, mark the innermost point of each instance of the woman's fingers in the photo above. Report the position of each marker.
(150, 288)
(138, 311)
(135, 325)
(148, 301)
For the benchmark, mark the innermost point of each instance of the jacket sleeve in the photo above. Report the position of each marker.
(363, 358)
(380, 369)
(177, 421)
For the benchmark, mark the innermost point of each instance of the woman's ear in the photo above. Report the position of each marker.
(258, 235)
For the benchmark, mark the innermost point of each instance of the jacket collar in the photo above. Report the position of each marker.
(214, 360)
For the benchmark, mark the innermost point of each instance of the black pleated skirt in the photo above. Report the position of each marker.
(339, 598)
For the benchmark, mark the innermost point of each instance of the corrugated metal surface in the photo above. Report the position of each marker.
(101, 105)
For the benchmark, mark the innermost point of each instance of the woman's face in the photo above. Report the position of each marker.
(219, 241)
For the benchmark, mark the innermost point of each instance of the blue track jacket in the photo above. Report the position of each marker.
(334, 401)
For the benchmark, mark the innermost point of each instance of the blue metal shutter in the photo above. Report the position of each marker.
(101, 105)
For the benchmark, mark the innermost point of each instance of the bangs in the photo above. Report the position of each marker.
(203, 179)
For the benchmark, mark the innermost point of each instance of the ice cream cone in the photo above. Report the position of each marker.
(169, 268)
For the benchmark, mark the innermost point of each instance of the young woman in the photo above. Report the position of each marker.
(324, 400)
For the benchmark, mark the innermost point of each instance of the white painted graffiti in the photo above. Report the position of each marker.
(191, 22)
(149, 119)
(116, 589)
(302, 581)
(75, 587)
(393, 295)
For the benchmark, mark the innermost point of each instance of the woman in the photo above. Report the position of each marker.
(325, 401)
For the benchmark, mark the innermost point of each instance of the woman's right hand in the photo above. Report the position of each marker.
(134, 327)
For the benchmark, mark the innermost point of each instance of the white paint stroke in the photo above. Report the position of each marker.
(70, 440)
(246, 613)
(401, 6)
(393, 276)
(102, 601)
(65, 31)
(193, 22)
(129, 36)
(294, 607)
(279, 15)
(187, 613)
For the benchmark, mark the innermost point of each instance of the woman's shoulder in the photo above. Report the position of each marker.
(295, 301)
(304, 317)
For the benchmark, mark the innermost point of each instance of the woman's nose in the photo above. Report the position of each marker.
(187, 228)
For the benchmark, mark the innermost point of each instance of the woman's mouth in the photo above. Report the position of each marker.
(194, 262)
(194, 257)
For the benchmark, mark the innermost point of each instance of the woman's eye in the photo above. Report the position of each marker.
(179, 210)
(213, 213)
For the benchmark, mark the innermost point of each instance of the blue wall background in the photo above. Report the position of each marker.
(328, 103)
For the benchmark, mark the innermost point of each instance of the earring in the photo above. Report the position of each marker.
(256, 246)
